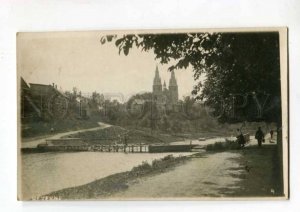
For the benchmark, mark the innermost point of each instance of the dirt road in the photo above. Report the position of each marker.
(219, 174)
(209, 175)
(34, 143)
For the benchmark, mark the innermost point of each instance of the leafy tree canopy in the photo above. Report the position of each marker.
(242, 70)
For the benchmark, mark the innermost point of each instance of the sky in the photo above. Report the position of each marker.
(78, 59)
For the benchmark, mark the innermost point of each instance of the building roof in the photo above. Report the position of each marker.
(24, 85)
(45, 89)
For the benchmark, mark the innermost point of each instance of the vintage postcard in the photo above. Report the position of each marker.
(153, 114)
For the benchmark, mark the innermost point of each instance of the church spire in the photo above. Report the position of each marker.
(173, 81)
(173, 88)
(157, 80)
(157, 87)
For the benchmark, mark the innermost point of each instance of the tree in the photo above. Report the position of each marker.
(165, 123)
(138, 99)
(242, 71)
(97, 98)
(239, 68)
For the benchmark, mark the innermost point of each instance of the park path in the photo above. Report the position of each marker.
(34, 143)
(208, 141)
(268, 140)
(208, 175)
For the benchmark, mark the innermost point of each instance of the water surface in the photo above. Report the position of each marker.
(47, 172)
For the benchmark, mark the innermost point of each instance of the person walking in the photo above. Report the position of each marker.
(259, 136)
(271, 134)
(240, 138)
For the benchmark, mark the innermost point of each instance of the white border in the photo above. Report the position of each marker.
(71, 15)
(284, 96)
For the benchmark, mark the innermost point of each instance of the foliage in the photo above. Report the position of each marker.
(158, 164)
(97, 98)
(234, 64)
(222, 146)
(165, 125)
(145, 166)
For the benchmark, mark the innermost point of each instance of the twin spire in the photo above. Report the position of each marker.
(162, 92)
(157, 79)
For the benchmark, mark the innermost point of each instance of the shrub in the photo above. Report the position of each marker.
(221, 146)
(157, 164)
(143, 167)
(168, 157)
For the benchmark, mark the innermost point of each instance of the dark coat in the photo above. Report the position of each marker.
(259, 135)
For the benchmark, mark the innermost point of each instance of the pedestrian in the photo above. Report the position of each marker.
(271, 134)
(240, 138)
(259, 136)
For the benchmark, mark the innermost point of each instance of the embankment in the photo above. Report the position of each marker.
(107, 186)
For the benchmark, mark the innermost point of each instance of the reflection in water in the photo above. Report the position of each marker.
(46, 172)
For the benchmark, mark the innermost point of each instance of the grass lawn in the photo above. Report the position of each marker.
(263, 172)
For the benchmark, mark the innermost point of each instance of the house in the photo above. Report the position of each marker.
(39, 101)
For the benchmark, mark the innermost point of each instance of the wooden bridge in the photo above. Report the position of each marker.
(120, 148)
(77, 144)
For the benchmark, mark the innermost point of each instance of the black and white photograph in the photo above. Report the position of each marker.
(199, 114)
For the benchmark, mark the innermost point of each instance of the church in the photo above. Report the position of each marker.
(166, 98)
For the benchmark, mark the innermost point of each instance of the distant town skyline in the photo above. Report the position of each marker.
(78, 59)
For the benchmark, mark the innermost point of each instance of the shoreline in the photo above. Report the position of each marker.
(105, 187)
(256, 173)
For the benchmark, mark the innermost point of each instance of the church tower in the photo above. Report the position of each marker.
(157, 87)
(173, 88)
